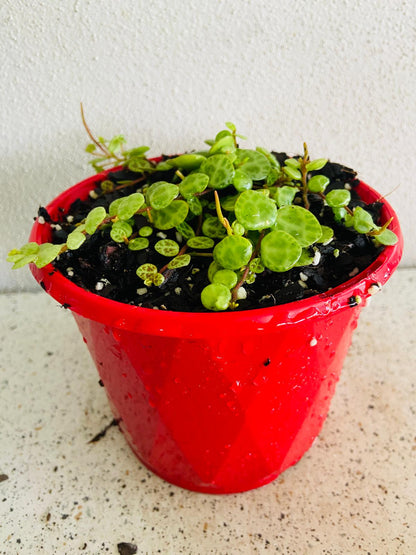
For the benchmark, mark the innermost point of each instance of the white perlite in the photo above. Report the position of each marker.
(313, 342)
(141, 291)
(99, 286)
(241, 293)
(316, 258)
(374, 288)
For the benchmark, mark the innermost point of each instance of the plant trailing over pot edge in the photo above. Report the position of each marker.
(215, 400)
(241, 210)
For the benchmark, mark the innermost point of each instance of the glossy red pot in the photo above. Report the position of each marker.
(218, 402)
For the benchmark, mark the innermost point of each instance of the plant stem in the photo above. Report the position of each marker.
(182, 251)
(247, 268)
(91, 136)
(304, 173)
(221, 218)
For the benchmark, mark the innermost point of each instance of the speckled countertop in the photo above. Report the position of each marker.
(353, 492)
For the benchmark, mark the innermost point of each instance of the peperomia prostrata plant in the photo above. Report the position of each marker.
(238, 207)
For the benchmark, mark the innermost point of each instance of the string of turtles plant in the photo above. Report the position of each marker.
(237, 206)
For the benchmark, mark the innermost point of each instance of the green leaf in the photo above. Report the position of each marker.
(216, 297)
(187, 162)
(293, 163)
(167, 247)
(300, 223)
(107, 186)
(237, 228)
(224, 145)
(212, 269)
(75, 239)
(146, 271)
(279, 251)
(90, 148)
(14, 255)
(116, 143)
(241, 181)
(253, 163)
(315, 165)
(23, 260)
(293, 173)
(305, 259)
(226, 277)
(145, 231)
(219, 169)
(120, 231)
(185, 230)
(113, 208)
(179, 261)
(256, 266)
(362, 220)
(233, 252)
(339, 213)
(221, 134)
(255, 211)
(138, 164)
(228, 203)
(129, 206)
(138, 244)
(318, 183)
(327, 234)
(337, 198)
(47, 253)
(195, 206)
(193, 183)
(200, 242)
(273, 175)
(30, 248)
(26, 254)
(138, 151)
(386, 237)
(161, 194)
(284, 195)
(231, 126)
(158, 279)
(270, 157)
(94, 219)
(171, 216)
(212, 227)
(163, 166)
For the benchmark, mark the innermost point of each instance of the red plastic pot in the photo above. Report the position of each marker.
(219, 402)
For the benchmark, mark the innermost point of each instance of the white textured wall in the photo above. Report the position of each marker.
(339, 74)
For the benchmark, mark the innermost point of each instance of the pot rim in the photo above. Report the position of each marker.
(195, 324)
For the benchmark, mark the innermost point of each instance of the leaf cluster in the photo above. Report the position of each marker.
(239, 207)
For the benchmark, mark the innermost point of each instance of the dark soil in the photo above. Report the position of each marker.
(108, 269)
